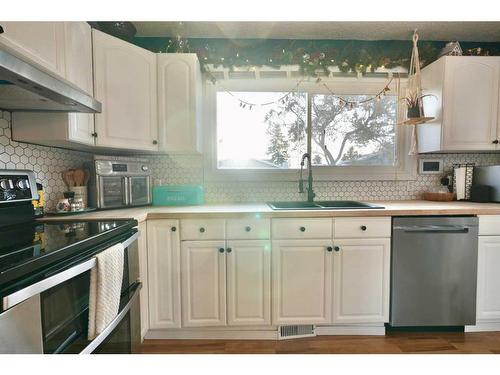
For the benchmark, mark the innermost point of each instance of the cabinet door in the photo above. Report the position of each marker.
(143, 275)
(125, 84)
(302, 279)
(248, 282)
(179, 101)
(163, 274)
(203, 265)
(40, 42)
(78, 55)
(488, 279)
(361, 281)
(470, 103)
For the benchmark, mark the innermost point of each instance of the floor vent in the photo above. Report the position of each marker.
(295, 331)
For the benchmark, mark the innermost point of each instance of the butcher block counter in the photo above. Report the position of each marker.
(391, 208)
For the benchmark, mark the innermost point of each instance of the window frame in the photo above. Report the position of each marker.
(405, 166)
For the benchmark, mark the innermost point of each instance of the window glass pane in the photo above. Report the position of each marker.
(363, 135)
(263, 137)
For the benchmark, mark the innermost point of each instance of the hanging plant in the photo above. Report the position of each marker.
(414, 104)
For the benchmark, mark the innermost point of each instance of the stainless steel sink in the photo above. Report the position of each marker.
(322, 205)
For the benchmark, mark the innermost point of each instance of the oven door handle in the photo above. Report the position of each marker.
(111, 326)
(50, 282)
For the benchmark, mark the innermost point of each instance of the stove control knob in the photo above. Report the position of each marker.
(145, 168)
(6, 184)
(22, 184)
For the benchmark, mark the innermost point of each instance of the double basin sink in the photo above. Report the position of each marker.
(322, 205)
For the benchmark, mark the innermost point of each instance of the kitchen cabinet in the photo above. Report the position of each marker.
(163, 262)
(302, 281)
(72, 130)
(179, 102)
(40, 42)
(226, 275)
(465, 104)
(361, 280)
(79, 71)
(142, 244)
(125, 82)
(248, 265)
(203, 283)
(488, 279)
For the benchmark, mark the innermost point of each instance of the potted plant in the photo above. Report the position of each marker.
(414, 105)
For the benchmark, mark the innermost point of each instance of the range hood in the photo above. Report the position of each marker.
(26, 88)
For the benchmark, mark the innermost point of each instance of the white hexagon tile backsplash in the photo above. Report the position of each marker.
(47, 162)
(187, 169)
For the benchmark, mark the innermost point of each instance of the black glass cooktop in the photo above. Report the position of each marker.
(28, 247)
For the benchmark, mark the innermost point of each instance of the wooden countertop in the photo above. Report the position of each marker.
(391, 208)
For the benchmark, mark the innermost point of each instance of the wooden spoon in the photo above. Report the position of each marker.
(79, 177)
(70, 176)
(64, 175)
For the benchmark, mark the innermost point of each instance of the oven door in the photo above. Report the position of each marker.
(139, 190)
(112, 191)
(64, 308)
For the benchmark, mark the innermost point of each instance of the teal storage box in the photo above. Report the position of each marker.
(178, 195)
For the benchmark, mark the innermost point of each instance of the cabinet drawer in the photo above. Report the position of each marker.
(202, 229)
(302, 228)
(362, 227)
(242, 229)
(489, 225)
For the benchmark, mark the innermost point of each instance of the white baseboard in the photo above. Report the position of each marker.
(222, 333)
(483, 327)
(201, 334)
(375, 330)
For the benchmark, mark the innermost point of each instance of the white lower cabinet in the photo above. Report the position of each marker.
(203, 267)
(361, 280)
(143, 275)
(226, 283)
(248, 282)
(488, 279)
(227, 280)
(164, 274)
(302, 281)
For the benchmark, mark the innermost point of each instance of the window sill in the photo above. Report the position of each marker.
(319, 174)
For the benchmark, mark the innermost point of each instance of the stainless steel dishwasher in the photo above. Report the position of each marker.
(433, 271)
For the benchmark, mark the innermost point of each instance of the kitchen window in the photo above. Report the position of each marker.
(251, 139)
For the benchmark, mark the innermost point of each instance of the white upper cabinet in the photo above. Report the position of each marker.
(125, 84)
(64, 129)
(40, 42)
(78, 55)
(465, 104)
(179, 102)
(78, 62)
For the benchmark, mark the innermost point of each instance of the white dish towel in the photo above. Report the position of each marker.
(105, 289)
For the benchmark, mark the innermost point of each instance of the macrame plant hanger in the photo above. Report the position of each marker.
(414, 107)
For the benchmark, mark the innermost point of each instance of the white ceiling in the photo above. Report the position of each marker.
(444, 31)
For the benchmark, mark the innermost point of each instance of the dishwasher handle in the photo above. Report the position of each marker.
(433, 229)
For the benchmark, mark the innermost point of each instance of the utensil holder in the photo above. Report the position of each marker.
(469, 169)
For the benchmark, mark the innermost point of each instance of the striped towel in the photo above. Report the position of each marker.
(105, 289)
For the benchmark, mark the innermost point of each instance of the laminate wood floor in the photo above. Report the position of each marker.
(393, 343)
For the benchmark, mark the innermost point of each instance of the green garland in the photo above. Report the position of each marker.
(311, 55)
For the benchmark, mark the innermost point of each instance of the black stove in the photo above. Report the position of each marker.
(31, 248)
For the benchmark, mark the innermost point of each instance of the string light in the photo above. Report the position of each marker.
(282, 100)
